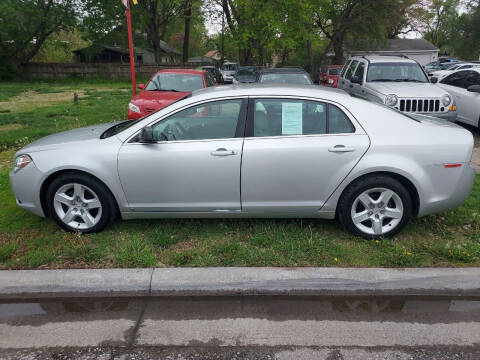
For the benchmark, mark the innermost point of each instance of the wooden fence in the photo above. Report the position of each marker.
(95, 70)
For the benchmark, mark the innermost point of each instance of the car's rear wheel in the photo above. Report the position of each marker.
(80, 203)
(375, 206)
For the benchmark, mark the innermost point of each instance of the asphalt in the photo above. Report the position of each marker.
(194, 282)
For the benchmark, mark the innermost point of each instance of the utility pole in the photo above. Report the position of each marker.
(130, 44)
(222, 60)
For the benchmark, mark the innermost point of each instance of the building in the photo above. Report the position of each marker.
(201, 60)
(214, 54)
(420, 50)
(116, 54)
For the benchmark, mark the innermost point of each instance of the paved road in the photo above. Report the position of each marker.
(255, 328)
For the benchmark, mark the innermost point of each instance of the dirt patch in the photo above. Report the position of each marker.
(10, 127)
(30, 100)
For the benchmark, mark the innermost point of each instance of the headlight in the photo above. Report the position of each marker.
(134, 108)
(20, 162)
(235, 81)
(391, 100)
(330, 81)
(446, 100)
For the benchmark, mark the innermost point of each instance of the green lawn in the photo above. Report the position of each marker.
(28, 242)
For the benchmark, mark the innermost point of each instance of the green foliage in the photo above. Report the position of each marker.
(26, 24)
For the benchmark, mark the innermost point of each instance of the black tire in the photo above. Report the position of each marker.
(370, 182)
(109, 209)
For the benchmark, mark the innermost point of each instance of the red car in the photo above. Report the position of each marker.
(166, 87)
(332, 75)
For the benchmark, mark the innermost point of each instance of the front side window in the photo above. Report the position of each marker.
(334, 71)
(351, 69)
(213, 120)
(457, 79)
(345, 68)
(399, 72)
(360, 70)
(283, 117)
(175, 82)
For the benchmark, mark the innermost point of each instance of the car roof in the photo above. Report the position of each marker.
(320, 92)
(384, 59)
(181, 71)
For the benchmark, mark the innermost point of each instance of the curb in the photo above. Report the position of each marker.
(198, 282)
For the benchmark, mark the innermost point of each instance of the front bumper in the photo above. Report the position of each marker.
(132, 115)
(26, 188)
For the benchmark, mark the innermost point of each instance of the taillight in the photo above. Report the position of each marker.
(448, 166)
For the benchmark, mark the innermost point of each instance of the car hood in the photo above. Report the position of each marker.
(407, 89)
(55, 140)
(157, 99)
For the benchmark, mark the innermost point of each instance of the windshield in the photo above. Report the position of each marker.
(175, 82)
(288, 78)
(229, 67)
(334, 71)
(396, 72)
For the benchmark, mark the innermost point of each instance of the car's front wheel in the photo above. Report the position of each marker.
(375, 206)
(78, 202)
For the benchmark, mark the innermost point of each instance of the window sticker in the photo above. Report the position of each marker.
(292, 119)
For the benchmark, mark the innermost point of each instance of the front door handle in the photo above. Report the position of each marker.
(222, 152)
(341, 149)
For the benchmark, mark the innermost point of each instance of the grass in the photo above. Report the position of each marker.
(29, 242)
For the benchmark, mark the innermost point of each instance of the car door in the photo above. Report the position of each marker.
(341, 79)
(468, 107)
(296, 152)
(193, 164)
(347, 86)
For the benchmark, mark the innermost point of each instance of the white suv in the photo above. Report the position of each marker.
(396, 81)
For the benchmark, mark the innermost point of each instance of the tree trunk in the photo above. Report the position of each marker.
(186, 35)
(310, 56)
(337, 43)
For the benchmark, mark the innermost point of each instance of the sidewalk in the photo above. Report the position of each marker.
(198, 282)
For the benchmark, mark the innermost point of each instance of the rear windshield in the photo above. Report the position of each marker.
(288, 78)
(175, 82)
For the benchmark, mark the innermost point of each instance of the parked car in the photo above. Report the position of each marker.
(292, 75)
(165, 87)
(332, 75)
(215, 72)
(303, 151)
(464, 86)
(398, 82)
(228, 70)
(440, 74)
(245, 74)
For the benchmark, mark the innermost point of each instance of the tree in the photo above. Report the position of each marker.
(187, 13)
(438, 21)
(26, 24)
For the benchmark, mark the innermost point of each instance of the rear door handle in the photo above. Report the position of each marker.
(341, 149)
(222, 152)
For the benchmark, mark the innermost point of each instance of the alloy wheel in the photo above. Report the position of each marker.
(377, 211)
(77, 206)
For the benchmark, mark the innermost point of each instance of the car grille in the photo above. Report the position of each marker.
(420, 105)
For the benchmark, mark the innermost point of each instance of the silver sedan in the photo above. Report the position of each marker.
(251, 151)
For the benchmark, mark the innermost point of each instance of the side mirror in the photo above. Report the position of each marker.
(474, 88)
(356, 80)
(146, 135)
(141, 86)
(433, 79)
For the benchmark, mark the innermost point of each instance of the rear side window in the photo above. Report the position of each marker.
(351, 69)
(283, 117)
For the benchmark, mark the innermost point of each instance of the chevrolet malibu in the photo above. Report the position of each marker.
(269, 151)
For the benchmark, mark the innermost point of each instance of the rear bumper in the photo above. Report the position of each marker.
(449, 190)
